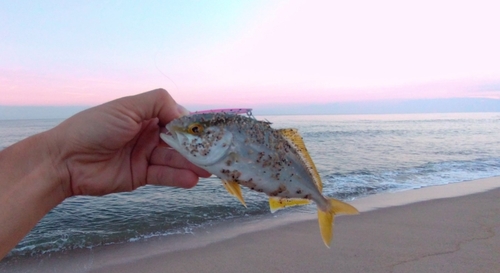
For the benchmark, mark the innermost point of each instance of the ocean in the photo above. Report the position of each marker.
(356, 156)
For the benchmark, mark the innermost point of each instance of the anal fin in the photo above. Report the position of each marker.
(234, 189)
(277, 203)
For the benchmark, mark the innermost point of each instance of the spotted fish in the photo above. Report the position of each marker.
(244, 151)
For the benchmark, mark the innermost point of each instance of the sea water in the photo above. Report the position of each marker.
(356, 155)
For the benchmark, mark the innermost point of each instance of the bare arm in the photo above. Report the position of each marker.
(110, 148)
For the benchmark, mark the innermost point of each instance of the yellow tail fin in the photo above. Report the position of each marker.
(325, 219)
(276, 203)
(234, 189)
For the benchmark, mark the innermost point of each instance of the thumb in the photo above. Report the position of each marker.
(153, 104)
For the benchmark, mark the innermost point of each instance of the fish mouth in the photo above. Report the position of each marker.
(168, 133)
(172, 130)
(170, 136)
(165, 131)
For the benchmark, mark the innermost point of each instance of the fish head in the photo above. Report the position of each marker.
(199, 140)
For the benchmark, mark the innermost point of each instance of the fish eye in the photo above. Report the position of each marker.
(195, 129)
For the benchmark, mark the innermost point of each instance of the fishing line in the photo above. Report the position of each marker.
(161, 72)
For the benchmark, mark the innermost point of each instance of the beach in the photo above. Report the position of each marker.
(449, 228)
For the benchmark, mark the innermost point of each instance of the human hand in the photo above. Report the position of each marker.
(110, 148)
(116, 147)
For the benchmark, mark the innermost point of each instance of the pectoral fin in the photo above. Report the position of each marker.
(234, 189)
(276, 203)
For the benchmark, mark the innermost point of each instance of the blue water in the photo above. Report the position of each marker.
(355, 155)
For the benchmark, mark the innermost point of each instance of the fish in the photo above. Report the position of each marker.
(244, 151)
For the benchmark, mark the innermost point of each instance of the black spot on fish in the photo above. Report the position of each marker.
(235, 175)
(279, 190)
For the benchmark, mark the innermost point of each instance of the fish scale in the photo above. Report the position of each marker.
(244, 151)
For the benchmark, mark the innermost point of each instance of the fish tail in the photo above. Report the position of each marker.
(325, 218)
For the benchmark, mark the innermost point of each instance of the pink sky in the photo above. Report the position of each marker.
(274, 52)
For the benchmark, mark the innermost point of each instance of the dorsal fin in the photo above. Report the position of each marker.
(293, 137)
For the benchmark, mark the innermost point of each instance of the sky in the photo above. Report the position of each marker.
(248, 53)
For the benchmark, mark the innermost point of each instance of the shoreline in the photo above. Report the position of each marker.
(243, 234)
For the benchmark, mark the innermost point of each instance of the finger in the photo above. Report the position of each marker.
(144, 144)
(169, 157)
(156, 103)
(168, 176)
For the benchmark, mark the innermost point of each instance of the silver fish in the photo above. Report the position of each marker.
(244, 151)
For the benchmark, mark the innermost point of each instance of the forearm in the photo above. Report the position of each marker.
(31, 184)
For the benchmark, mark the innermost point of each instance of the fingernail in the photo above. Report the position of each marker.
(182, 111)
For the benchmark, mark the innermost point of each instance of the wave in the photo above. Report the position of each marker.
(365, 182)
(112, 227)
(65, 232)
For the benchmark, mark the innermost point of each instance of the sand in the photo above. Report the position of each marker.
(452, 228)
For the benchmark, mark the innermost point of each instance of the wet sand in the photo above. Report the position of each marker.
(451, 228)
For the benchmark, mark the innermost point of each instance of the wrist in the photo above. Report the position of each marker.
(32, 182)
(54, 165)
